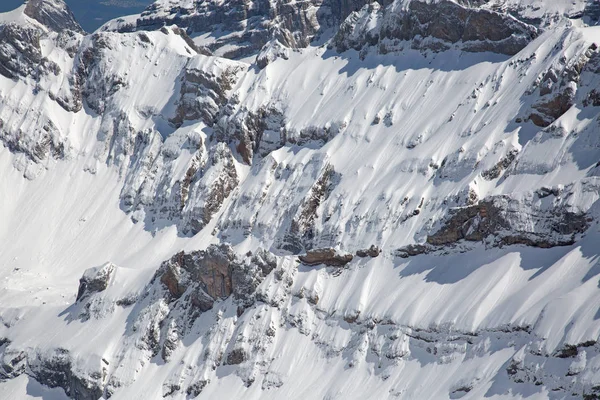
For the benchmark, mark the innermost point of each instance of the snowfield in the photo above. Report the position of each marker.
(157, 200)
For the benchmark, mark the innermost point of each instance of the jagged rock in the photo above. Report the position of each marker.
(95, 280)
(253, 26)
(372, 252)
(260, 131)
(21, 52)
(56, 369)
(511, 222)
(413, 250)
(270, 52)
(550, 110)
(209, 192)
(503, 164)
(236, 356)
(204, 90)
(170, 388)
(195, 389)
(53, 14)
(210, 268)
(216, 273)
(558, 87)
(302, 229)
(328, 256)
(13, 363)
(435, 26)
(361, 28)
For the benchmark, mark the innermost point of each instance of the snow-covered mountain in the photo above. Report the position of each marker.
(309, 200)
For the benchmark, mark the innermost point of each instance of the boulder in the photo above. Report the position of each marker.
(95, 280)
(372, 252)
(328, 256)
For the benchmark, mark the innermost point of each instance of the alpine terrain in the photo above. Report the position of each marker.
(301, 199)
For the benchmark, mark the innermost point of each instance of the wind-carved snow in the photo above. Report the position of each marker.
(155, 200)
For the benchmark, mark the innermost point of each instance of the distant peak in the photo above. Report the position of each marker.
(54, 14)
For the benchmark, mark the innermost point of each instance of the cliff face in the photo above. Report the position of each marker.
(301, 200)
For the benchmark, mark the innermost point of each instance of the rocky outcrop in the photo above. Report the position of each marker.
(251, 24)
(211, 190)
(215, 274)
(57, 369)
(53, 14)
(271, 51)
(328, 256)
(302, 230)
(557, 88)
(435, 26)
(501, 166)
(13, 363)
(190, 284)
(504, 221)
(501, 218)
(271, 28)
(205, 89)
(95, 280)
(372, 252)
(207, 272)
(21, 53)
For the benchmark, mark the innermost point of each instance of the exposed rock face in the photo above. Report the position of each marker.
(214, 274)
(211, 190)
(204, 90)
(501, 166)
(271, 51)
(95, 280)
(433, 26)
(558, 87)
(20, 52)
(253, 23)
(505, 221)
(208, 271)
(372, 252)
(190, 284)
(12, 362)
(56, 369)
(270, 28)
(54, 14)
(499, 216)
(329, 257)
(302, 230)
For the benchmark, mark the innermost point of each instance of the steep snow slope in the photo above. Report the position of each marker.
(443, 200)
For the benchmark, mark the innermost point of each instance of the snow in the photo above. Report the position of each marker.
(387, 327)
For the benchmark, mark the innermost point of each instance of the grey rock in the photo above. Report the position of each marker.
(511, 222)
(372, 252)
(204, 92)
(55, 369)
(271, 51)
(95, 280)
(210, 269)
(53, 14)
(435, 26)
(13, 362)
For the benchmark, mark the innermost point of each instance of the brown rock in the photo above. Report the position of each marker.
(327, 256)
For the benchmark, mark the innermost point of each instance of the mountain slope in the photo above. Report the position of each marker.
(317, 200)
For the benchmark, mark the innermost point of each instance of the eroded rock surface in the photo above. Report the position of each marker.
(95, 280)
(329, 257)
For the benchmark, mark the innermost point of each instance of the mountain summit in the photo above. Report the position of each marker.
(54, 14)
